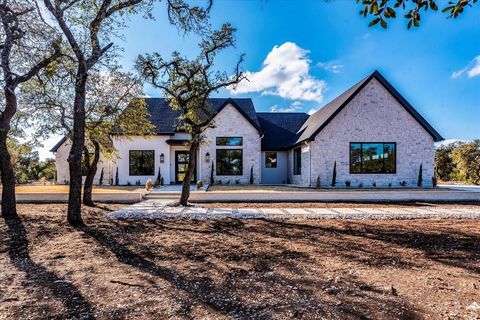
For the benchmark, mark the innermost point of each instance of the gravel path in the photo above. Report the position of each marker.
(158, 209)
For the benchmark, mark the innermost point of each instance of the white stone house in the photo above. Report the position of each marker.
(370, 131)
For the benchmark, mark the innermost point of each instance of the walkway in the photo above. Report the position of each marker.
(159, 209)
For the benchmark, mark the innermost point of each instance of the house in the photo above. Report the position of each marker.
(372, 134)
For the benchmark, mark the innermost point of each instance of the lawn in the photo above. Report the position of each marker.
(65, 188)
(243, 269)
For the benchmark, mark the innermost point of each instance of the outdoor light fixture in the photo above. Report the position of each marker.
(207, 157)
(162, 158)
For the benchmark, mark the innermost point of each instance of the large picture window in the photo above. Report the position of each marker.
(372, 157)
(297, 161)
(229, 162)
(270, 159)
(229, 141)
(141, 162)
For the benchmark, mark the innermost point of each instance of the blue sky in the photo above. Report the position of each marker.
(300, 56)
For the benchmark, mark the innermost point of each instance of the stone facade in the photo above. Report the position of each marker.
(231, 123)
(373, 116)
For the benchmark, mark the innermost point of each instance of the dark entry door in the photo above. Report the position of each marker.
(181, 163)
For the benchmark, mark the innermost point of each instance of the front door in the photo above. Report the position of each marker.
(181, 163)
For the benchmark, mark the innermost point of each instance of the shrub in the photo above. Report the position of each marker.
(237, 181)
(128, 183)
(318, 182)
(374, 184)
(360, 185)
(199, 184)
(251, 175)
(43, 181)
(403, 183)
(100, 180)
(157, 180)
(148, 185)
(390, 184)
(334, 174)
(138, 182)
(161, 181)
(420, 176)
(434, 181)
(228, 182)
(116, 178)
(348, 183)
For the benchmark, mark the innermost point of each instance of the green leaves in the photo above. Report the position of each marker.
(382, 10)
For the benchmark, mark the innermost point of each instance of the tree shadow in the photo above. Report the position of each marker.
(453, 248)
(75, 305)
(250, 284)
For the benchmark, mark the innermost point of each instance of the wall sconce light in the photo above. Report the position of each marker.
(162, 158)
(207, 157)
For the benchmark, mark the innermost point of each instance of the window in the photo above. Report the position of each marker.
(229, 141)
(229, 162)
(141, 162)
(270, 159)
(297, 161)
(372, 157)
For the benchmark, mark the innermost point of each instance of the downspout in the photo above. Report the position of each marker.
(260, 160)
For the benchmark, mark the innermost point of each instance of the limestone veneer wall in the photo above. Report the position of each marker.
(373, 116)
(229, 122)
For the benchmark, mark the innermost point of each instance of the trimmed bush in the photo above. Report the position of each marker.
(251, 175)
(420, 176)
(100, 180)
(116, 178)
(318, 182)
(334, 174)
(148, 185)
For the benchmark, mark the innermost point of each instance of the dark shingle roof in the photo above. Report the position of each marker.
(280, 129)
(322, 117)
(165, 119)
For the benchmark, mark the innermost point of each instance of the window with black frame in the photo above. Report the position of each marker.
(141, 162)
(372, 157)
(297, 161)
(229, 162)
(229, 141)
(270, 159)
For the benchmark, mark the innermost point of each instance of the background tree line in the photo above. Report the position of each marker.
(458, 161)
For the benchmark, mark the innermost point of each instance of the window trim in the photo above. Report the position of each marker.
(297, 171)
(130, 169)
(361, 160)
(228, 175)
(276, 160)
(229, 145)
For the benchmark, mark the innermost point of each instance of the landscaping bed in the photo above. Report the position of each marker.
(244, 269)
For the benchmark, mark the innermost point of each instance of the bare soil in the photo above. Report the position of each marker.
(242, 269)
(65, 188)
(260, 205)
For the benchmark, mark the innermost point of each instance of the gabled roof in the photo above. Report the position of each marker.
(58, 144)
(322, 117)
(165, 119)
(280, 129)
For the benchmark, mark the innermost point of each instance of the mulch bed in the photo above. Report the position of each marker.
(243, 269)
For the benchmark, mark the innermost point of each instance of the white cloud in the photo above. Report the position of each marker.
(312, 111)
(472, 69)
(296, 106)
(285, 73)
(331, 66)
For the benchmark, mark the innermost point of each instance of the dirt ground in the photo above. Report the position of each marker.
(65, 188)
(242, 269)
(276, 188)
(260, 205)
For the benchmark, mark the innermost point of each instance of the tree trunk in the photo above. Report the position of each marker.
(9, 207)
(74, 213)
(189, 174)
(91, 171)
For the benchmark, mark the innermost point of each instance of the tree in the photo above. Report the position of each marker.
(383, 10)
(112, 107)
(88, 27)
(188, 85)
(466, 158)
(444, 165)
(27, 45)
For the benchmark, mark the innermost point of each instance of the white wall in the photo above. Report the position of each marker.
(230, 123)
(373, 116)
